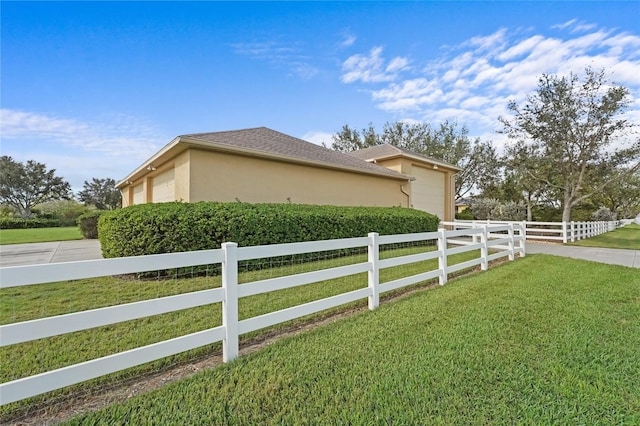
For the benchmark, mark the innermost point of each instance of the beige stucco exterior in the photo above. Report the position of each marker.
(201, 175)
(189, 169)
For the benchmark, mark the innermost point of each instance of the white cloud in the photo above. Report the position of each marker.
(370, 68)
(397, 64)
(79, 150)
(121, 135)
(574, 26)
(348, 40)
(473, 81)
(564, 25)
(280, 55)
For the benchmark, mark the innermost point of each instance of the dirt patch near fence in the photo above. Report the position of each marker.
(97, 397)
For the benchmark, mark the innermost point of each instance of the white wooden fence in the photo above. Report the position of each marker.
(500, 240)
(550, 231)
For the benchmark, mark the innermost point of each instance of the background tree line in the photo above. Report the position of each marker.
(30, 190)
(572, 154)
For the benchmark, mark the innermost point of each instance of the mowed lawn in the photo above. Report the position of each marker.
(39, 235)
(543, 340)
(627, 237)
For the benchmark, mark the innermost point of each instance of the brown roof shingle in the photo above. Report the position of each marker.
(387, 150)
(262, 140)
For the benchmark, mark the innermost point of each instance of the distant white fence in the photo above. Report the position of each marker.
(550, 231)
(500, 240)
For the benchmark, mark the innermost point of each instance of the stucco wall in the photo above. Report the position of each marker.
(438, 182)
(225, 177)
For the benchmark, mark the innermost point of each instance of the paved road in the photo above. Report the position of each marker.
(68, 251)
(622, 257)
(62, 251)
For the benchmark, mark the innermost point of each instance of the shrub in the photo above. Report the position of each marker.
(66, 211)
(88, 224)
(603, 214)
(19, 223)
(482, 207)
(178, 227)
(492, 209)
(465, 214)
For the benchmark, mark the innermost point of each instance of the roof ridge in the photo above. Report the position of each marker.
(377, 148)
(227, 131)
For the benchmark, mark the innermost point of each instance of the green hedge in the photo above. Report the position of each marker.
(88, 223)
(18, 223)
(178, 227)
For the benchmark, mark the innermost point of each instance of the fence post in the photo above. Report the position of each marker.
(442, 259)
(512, 254)
(573, 232)
(564, 232)
(474, 237)
(484, 250)
(230, 344)
(374, 273)
(523, 242)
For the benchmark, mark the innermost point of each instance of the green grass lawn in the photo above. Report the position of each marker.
(544, 340)
(627, 237)
(38, 301)
(39, 235)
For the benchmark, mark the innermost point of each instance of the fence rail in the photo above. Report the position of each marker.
(548, 231)
(501, 240)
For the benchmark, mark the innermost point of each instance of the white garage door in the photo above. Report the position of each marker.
(164, 187)
(427, 191)
(138, 194)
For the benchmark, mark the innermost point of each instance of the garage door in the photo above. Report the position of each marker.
(427, 191)
(138, 194)
(164, 187)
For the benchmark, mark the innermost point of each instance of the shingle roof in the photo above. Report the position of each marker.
(387, 150)
(273, 143)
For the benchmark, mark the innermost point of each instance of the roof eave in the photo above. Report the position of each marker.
(140, 171)
(415, 157)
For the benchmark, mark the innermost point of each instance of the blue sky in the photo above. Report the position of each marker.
(92, 89)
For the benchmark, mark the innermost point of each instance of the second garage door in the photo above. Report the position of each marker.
(427, 191)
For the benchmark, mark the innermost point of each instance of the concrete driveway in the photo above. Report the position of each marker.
(622, 257)
(59, 251)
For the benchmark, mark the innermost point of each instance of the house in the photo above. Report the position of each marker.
(261, 165)
(463, 204)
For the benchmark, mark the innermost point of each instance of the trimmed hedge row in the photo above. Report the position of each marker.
(18, 223)
(178, 227)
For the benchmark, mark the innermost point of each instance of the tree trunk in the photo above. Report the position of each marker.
(566, 212)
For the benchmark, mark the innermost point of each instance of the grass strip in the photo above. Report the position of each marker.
(627, 237)
(510, 346)
(39, 235)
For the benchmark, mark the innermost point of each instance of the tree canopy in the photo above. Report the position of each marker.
(101, 193)
(570, 135)
(25, 185)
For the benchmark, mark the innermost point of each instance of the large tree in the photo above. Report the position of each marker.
(24, 186)
(101, 193)
(447, 142)
(623, 198)
(575, 129)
